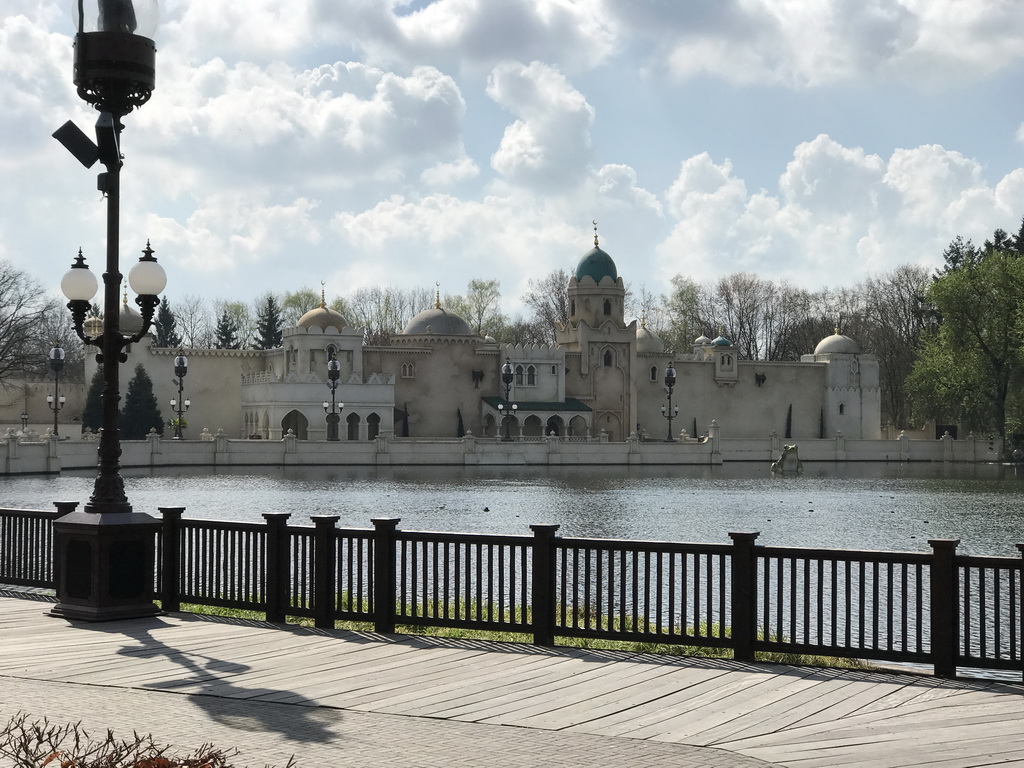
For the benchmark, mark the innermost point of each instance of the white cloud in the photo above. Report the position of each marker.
(456, 34)
(838, 215)
(548, 146)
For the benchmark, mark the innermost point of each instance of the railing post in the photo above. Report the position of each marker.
(743, 609)
(278, 572)
(170, 558)
(384, 582)
(324, 558)
(945, 606)
(63, 508)
(1020, 603)
(543, 584)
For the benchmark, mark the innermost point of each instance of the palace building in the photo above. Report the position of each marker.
(439, 379)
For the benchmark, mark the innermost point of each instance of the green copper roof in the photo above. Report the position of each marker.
(596, 264)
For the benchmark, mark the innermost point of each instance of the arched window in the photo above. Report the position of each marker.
(531, 376)
(654, 373)
(408, 371)
(519, 375)
(554, 370)
(353, 426)
(572, 307)
(332, 351)
(608, 358)
(372, 426)
(842, 408)
(607, 307)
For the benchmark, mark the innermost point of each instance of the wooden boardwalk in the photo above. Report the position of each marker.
(792, 716)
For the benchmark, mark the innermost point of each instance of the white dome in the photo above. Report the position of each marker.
(837, 344)
(129, 320)
(647, 341)
(321, 319)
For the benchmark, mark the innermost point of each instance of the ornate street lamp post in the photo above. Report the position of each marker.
(668, 412)
(507, 410)
(105, 553)
(56, 400)
(179, 405)
(24, 422)
(333, 409)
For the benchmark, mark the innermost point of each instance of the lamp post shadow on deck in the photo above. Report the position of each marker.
(104, 555)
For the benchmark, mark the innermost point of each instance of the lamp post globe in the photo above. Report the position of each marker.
(56, 401)
(668, 412)
(180, 405)
(333, 409)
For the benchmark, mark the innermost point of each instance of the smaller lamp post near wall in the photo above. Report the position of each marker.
(24, 422)
(56, 400)
(333, 409)
(669, 412)
(507, 410)
(179, 405)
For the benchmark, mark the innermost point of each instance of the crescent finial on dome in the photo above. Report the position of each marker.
(437, 295)
(323, 296)
(596, 244)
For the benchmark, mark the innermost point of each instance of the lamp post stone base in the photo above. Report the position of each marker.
(105, 565)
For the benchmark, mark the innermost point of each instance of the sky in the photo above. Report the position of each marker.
(411, 143)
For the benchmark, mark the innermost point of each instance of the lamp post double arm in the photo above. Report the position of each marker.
(114, 71)
(506, 409)
(105, 554)
(670, 412)
(180, 405)
(333, 409)
(55, 402)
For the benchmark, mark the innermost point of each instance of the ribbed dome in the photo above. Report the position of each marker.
(596, 264)
(322, 318)
(837, 344)
(702, 340)
(648, 341)
(439, 322)
(721, 341)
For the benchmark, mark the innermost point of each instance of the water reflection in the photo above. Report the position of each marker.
(862, 505)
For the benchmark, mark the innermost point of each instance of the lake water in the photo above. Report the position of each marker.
(859, 506)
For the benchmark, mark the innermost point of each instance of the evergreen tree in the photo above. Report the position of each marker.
(166, 326)
(226, 333)
(268, 325)
(140, 413)
(92, 414)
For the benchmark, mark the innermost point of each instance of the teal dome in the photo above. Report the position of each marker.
(721, 341)
(596, 264)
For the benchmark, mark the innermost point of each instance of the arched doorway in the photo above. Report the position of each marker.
(372, 426)
(353, 426)
(297, 423)
(554, 426)
(578, 426)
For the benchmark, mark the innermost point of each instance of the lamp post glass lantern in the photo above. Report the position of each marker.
(333, 409)
(180, 405)
(55, 401)
(105, 553)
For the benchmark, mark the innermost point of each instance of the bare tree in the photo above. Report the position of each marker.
(549, 300)
(26, 318)
(195, 325)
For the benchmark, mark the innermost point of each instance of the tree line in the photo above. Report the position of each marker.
(948, 342)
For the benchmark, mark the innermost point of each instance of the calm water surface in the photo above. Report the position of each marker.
(863, 506)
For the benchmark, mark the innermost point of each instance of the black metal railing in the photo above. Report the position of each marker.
(935, 608)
